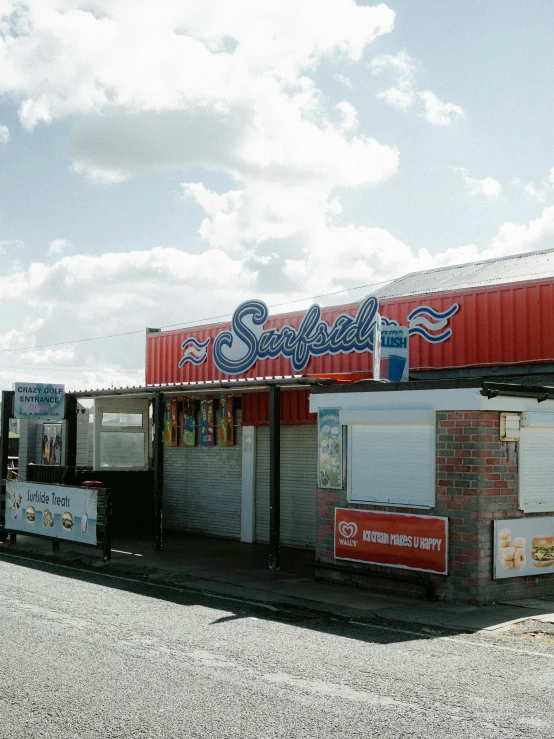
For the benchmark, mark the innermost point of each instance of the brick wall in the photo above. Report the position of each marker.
(476, 483)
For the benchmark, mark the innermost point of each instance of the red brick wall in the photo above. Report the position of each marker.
(476, 483)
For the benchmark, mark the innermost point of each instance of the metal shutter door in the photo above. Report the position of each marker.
(203, 486)
(298, 484)
(536, 468)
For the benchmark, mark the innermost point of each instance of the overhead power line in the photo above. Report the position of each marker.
(196, 321)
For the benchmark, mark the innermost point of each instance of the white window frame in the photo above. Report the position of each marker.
(402, 420)
(542, 422)
(120, 405)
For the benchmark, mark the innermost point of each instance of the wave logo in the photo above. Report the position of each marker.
(432, 325)
(348, 529)
(194, 351)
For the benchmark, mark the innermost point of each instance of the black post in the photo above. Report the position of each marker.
(274, 477)
(158, 421)
(107, 549)
(8, 398)
(71, 454)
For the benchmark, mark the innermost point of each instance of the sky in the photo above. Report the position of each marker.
(161, 162)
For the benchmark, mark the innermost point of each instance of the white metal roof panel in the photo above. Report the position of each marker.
(537, 265)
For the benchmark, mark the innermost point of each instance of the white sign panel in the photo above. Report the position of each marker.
(39, 400)
(395, 354)
(57, 511)
(524, 546)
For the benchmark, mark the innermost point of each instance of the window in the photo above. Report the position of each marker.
(121, 434)
(536, 462)
(391, 457)
(122, 419)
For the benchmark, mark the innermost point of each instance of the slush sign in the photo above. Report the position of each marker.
(39, 400)
(395, 354)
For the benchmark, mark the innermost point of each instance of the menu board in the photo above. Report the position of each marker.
(524, 546)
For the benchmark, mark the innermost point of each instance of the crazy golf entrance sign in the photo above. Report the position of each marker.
(39, 400)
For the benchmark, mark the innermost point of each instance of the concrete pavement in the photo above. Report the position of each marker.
(241, 571)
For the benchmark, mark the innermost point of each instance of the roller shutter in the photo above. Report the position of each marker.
(298, 484)
(536, 463)
(202, 488)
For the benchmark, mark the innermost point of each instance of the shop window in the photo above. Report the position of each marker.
(122, 419)
(536, 462)
(121, 435)
(391, 457)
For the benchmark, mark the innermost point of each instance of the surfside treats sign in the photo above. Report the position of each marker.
(55, 511)
(393, 539)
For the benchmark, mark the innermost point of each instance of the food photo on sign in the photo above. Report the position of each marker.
(523, 546)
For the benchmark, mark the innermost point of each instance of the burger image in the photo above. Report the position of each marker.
(30, 513)
(67, 520)
(542, 551)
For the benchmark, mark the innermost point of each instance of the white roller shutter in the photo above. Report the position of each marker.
(536, 463)
(298, 484)
(391, 462)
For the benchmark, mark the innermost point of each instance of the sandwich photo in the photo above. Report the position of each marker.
(67, 520)
(30, 513)
(542, 551)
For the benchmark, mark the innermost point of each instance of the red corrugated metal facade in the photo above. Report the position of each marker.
(294, 408)
(503, 325)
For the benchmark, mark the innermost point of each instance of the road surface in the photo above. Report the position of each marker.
(85, 655)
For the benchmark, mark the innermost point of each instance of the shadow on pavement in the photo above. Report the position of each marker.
(370, 630)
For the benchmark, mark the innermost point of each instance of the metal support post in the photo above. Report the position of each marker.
(158, 421)
(8, 398)
(274, 477)
(71, 442)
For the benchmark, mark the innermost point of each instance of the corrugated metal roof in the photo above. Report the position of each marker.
(538, 265)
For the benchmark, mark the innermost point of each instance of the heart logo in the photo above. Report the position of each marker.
(348, 529)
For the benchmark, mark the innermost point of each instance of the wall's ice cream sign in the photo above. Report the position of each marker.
(394, 539)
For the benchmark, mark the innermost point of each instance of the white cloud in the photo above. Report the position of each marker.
(404, 93)
(437, 112)
(488, 187)
(344, 80)
(349, 116)
(221, 85)
(397, 97)
(58, 247)
(538, 191)
(551, 176)
(4, 134)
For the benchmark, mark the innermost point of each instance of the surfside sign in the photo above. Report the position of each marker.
(237, 350)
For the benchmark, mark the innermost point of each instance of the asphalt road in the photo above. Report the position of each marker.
(85, 655)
